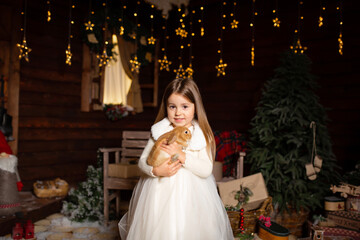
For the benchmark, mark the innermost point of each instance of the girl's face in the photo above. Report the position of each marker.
(180, 111)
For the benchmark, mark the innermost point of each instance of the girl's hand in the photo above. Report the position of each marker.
(173, 149)
(167, 169)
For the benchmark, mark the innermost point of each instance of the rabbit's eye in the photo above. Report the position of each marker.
(186, 132)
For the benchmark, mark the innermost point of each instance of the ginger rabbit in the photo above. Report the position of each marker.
(181, 135)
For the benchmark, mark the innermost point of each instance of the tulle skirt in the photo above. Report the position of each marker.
(181, 207)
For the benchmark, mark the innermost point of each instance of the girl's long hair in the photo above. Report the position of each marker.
(188, 89)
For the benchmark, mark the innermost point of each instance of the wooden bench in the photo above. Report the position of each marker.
(132, 146)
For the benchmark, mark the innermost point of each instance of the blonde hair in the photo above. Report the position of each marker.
(188, 89)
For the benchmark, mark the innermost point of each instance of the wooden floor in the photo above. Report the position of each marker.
(32, 208)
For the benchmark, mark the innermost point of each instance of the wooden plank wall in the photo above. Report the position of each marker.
(57, 140)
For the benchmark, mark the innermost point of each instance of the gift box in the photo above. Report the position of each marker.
(124, 170)
(347, 219)
(255, 183)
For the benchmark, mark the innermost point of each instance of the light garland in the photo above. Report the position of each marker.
(48, 3)
(23, 48)
(121, 20)
(276, 20)
(104, 58)
(189, 70)
(321, 18)
(298, 48)
(89, 26)
(252, 26)
(134, 63)
(221, 66)
(201, 20)
(151, 39)
(68, 53)
(340, 41)
(164, 62)
(181, 31)
(234, 23)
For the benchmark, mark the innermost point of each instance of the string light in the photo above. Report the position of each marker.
(121, 20)
(181, 31)
(23, 48)
(151, 39)
(221, 66)
(242, 220)
(68, 53)
(89, 26)
(252, 26)
(104, 58)
(48, 2)
(189, 70)
(297, 47)
(341, 43)
(201, 20)
(234, 23)
(134, 63)
(321, 18)
(164, 62)
(276, 20)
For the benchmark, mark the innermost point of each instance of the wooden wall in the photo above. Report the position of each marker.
(56, 139)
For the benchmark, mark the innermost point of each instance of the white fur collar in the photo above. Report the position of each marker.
(197, 141)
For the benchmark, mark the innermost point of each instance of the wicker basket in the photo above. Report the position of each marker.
(250, 217)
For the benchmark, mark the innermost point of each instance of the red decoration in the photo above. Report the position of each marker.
(17, 232)
(242, 220)
(29, 230)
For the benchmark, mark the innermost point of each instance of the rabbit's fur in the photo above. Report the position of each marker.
(181, 135)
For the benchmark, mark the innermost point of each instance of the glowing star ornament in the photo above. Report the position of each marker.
(104, 59)
(165, 64)
(68, 55)
(190, 71)
(24, 50)
(89, 25)
(135, 65)
(298, 48)
(121, 30)
(234, 24)
(276, 22)
(221, 68)
(151, 40)
(180, 72)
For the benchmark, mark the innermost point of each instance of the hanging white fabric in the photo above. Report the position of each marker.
(116, 83)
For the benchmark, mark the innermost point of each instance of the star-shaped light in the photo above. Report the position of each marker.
(234, 23)
(276, 22)
(164, 63)
(181, 32)
(104, 59)
(341, 44)
(180, 72)
(121, 30)
(221, 68)
(189, 71)
(151, 40)
(68, 55)
(321, 21)
(89, 25)
(298, 48)
(135, 65)
(24, 50)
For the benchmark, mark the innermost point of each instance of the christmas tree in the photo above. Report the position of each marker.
(281, 140)
(86, 203)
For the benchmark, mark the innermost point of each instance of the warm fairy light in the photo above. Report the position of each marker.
(165, 64)
(252, 26)
(340, 40)
(252, 56)
(321, 21)
(89, 25)
(340, 44)
(180, 72)
(121, 30)
(201, 20)
(298, 48)
(135, 64)
(221, 68)
(276, 21)
(68, 55)
(189, 71)
(48, 11)
(24, 50)
(234, 23)
(151, 39)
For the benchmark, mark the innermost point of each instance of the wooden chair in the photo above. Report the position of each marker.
(132, 145)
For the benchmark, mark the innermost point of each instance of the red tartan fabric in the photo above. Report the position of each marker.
(228, 146)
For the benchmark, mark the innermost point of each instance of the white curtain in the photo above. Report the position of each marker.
(116, 83)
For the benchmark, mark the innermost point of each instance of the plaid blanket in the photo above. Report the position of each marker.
(228, 146)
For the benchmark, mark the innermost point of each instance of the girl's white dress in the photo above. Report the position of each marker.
(185, 206)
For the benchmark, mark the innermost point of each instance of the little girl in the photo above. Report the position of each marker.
(178, 201)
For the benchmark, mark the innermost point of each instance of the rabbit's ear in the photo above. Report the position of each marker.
(172, 138)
